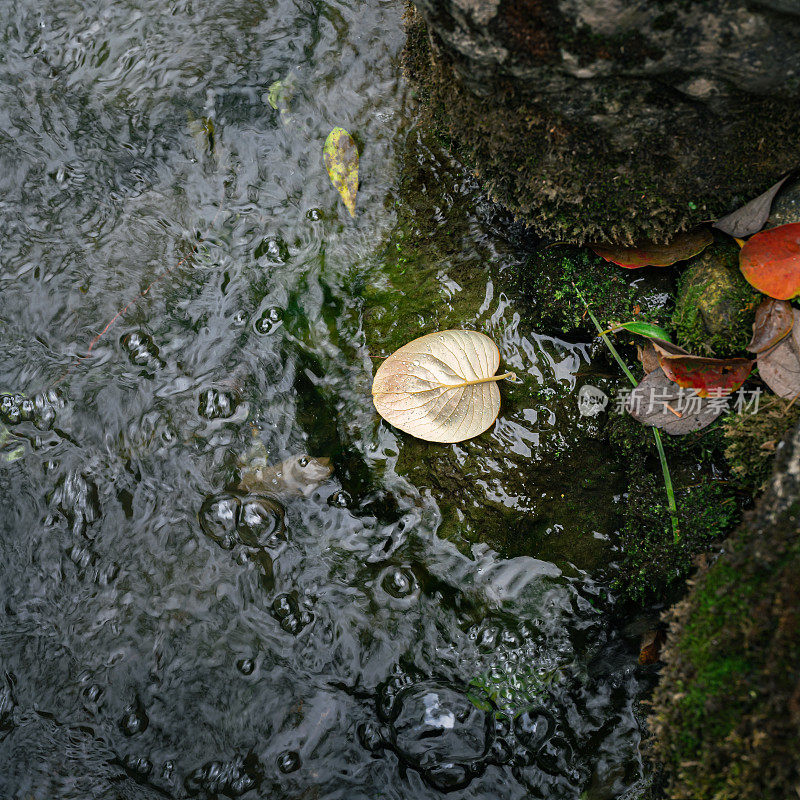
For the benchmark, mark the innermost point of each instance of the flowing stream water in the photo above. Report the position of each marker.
(425, 619)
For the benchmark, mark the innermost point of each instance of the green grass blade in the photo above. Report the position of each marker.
(672, 505)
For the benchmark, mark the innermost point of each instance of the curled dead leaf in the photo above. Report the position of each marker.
(650, 647)
(770, 261)
(711, 377)
(441, 387)
(647, 356)
(647, 254)
(779, 366)
(752, 216)
(774, 320)
(660, 402)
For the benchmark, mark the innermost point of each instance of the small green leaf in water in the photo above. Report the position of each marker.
(14, 455)
(341, 160)
(275, 94)
(642, 329)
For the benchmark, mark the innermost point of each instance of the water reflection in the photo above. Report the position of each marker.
(164, 631)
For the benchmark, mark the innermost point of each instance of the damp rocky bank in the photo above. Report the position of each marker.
(601, 121)
(587, 123)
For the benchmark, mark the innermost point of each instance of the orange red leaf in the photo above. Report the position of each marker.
(711, 377)
(647, 254)
(770, 261)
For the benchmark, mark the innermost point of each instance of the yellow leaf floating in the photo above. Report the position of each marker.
(441, 387)
(341, 161)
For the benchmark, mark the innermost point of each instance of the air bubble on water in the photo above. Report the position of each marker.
(246, 666)
(289, 761)
(219, 516)
(216, 404)
(340, 499)
(142, 350)
(261, 521)
(370, 736)
(398, 583)
(134, 719)
(292, 616)
(139, 766)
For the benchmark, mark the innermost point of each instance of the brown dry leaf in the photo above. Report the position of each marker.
(779, 366)
(668, 348)
(647, 355)
(646, 254)
(660, 402)
(752, 216)
(650, 647)
(774, 320)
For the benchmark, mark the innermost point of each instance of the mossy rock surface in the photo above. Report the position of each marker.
(553, 278)
(653, 563)
(727, 711)
(751, 440)
(539, 483)
(715, 306)
(590, 126)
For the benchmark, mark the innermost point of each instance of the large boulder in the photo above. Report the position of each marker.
(726, 713)
(603, 119)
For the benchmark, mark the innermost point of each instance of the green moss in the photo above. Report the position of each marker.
(550, 275)
(726, 713)
(573, 180)
(653, 565)
(715, 305)
(751, 440)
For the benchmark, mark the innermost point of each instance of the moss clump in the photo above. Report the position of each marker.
(656, 165)
(551, 278)
(752, 439)
(653, 565)
(727, 711)
(715, 305)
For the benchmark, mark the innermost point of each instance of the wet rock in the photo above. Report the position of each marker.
(729, 690)
(786, 206)
(715, 307)
(597, 120)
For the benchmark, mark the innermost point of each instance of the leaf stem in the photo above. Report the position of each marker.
(673, 508)
(502, 377)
